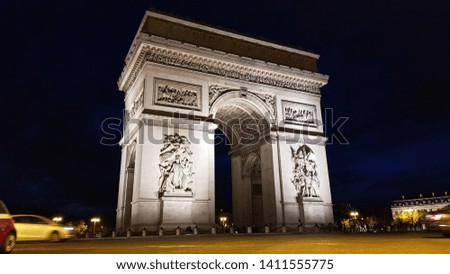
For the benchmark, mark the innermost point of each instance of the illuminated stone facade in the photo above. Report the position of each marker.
(183, 80)
(420, 204)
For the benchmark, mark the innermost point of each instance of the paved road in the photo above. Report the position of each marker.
(333, 243)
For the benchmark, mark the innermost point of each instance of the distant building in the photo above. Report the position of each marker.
(420, 204)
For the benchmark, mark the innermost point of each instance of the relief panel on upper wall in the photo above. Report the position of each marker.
(299, 113)
(177, 94)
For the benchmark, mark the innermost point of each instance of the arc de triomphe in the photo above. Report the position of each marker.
(181, 81)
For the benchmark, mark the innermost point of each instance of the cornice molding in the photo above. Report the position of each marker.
(185, 56)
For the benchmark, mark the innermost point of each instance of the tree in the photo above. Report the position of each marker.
(408, 217)
(80, 227)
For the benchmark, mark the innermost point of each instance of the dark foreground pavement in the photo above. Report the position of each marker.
(332, 243)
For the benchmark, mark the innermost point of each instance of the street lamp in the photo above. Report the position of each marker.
(57, 219)
(223, 220)
(354, 214)
(95, 220)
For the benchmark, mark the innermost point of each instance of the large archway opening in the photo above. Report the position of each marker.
(242, 130)
(222, 167)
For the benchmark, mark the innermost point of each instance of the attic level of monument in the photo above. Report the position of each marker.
(207, 37)
(169, 32)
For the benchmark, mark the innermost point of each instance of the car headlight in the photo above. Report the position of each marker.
(68, 228)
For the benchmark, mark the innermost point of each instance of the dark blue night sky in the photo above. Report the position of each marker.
(389, 68)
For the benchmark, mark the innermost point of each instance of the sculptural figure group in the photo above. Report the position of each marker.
(176, 164)
(306, 181)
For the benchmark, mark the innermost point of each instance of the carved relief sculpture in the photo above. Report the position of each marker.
(173, 93)
(215, 91)
(176, 164)
(297, 113)
(269, 100)
(208, 65)
(177, 96)
(137, 105)
(306, 180)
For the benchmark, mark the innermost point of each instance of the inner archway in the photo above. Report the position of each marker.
(252, 169)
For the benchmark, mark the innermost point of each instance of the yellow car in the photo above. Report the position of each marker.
(38, 228)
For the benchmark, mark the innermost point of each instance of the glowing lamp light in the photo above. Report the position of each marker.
(57, 219)
(223, 220)
(95, 221)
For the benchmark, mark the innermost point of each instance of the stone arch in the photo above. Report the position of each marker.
(245, 119)
(242, 116)
(232, 94)
(251, 164)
